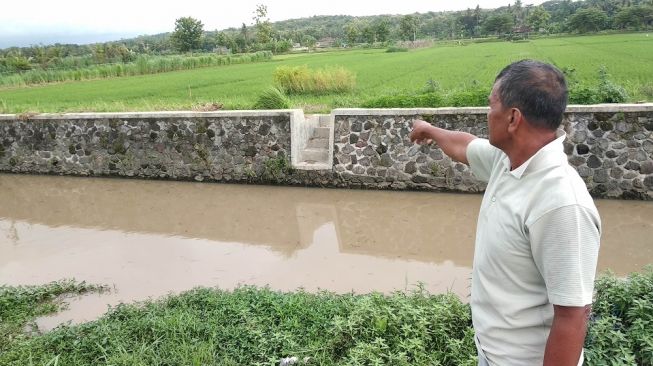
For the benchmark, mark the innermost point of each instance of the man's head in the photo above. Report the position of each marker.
(537, 89)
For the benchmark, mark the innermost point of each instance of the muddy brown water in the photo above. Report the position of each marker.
(151, 238)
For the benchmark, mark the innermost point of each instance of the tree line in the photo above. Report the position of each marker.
(189, 35)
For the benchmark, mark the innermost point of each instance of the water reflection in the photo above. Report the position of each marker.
(149, 238)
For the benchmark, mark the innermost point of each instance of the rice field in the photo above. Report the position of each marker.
(448, 66)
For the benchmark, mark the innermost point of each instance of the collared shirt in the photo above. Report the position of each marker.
(537, 242)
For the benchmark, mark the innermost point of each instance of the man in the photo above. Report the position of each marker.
(538, 230)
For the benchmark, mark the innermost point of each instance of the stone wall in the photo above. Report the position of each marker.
(229, 146)
(611, 147)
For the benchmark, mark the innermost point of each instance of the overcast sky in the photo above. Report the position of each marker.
(27, 22)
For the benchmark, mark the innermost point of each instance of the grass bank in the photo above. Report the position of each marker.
(451, 69)
(254, 326)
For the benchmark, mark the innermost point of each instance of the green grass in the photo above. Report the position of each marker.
(627, 58)
(258, 326)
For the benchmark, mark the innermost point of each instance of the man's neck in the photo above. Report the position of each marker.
(528, 145)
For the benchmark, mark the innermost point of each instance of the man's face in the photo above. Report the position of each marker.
(497, 119)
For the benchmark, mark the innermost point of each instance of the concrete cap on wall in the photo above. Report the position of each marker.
(162, 114)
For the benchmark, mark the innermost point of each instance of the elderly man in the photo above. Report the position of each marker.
(538, 231)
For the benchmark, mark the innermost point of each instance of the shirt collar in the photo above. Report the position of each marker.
(548, 155)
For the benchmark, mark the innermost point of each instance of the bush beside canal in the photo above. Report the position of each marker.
(258, 326)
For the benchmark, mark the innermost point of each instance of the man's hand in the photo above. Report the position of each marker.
(421, 132)
(452, 143)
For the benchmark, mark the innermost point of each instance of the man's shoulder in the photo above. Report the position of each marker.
(558, 187)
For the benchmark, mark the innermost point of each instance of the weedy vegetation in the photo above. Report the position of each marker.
(258, 326)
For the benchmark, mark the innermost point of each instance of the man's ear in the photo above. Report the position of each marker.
(516, 119)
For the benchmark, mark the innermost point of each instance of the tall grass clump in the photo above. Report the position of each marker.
(302, 80)
(272, 98)
(143, 65)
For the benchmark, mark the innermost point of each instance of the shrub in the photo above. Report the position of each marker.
(473, 97)
(397, 49)
(610, 92)
(272, 98)
(425, 100)
(622, 319)
(302, 80)
(605, 91)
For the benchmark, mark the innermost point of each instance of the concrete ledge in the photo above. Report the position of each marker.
(163, 114)
(596, 108)
(312, 166)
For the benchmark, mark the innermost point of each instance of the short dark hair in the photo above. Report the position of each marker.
(537, 89)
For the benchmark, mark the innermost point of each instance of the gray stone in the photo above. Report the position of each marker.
(648, 146)
(436, 154)
(601, 176)
(637, 183)
(641, 156)
(607, 164)
(646, 167)
(593, 162)
(611, 154)
(582, 149)
(578, 136)
(584, 171)
(622, 159)
(411, 168)
(616, 173)
(353, 138)
(347, 149)
(369, 151)
(364, 161)
(576, 161)
(631, 165)
(419, 179)
(356, 126)
(618, 145)
(630, 174)
(386, 160)
(631, 143)
(648, 181)
(359, 170)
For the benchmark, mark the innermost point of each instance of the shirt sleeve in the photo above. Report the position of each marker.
(482, 157)
(565, 247)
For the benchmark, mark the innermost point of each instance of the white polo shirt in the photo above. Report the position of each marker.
(537, 243)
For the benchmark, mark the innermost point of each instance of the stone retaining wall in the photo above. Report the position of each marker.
(611, 146)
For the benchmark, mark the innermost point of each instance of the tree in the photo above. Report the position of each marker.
(588, 20)
(408, 27)
(352, 32)
(308, 41)
(634, 17)
(242, 39)
(498, 24)
(262, 24)
(468, 22)
(188, 34)
(367, 32)
(538, 18)
(382, 29)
